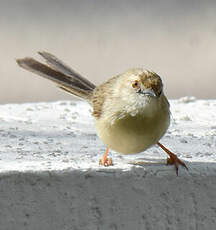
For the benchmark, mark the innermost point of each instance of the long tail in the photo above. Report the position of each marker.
(58, 72)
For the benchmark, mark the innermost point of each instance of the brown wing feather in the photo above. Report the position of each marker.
(99, 95)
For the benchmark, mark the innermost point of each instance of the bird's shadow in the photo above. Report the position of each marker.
(196, 168)
(148, 162)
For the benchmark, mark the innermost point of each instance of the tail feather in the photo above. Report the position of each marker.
(63, 76)
(58, 65)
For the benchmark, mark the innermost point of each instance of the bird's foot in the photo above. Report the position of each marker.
(174, 160)
(105, 161)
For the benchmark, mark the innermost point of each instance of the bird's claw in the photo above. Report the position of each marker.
(106, 162)
(174, 160)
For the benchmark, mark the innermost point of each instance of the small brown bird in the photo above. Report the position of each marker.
(131, 111)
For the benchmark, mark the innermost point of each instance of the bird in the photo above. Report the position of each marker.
(131, 112)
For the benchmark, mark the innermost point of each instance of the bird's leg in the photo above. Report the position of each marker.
(105, 161)
(172, 159)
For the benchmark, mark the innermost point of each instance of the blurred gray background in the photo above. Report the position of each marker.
(100, 38)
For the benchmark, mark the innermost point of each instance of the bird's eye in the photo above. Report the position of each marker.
(135, 84)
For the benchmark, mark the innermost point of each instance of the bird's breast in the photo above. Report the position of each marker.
(133, 134)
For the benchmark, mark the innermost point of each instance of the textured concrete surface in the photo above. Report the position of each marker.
(50, 177)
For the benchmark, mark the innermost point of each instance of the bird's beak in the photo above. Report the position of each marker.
(148, 92)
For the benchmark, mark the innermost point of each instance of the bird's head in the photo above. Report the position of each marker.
(141, 83)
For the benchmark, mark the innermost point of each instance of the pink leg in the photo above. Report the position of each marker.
(105, 161)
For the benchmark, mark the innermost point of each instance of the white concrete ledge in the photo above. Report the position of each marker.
(50, 178)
